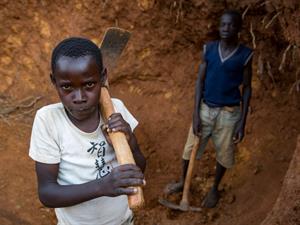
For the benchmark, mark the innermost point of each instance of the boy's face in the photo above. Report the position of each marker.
(229, 27)
(78, 83)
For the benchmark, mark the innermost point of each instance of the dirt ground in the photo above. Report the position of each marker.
(155, 78)
(283, 213)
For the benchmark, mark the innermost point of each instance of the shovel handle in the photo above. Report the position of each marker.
(121, 147)
(188, 177)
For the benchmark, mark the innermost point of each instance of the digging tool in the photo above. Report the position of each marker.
(184, 203)
(114, 41)
(112, 46)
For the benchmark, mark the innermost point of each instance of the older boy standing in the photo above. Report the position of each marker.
(220, 110)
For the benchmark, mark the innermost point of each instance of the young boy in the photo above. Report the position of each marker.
(220, 109)
(76, 167)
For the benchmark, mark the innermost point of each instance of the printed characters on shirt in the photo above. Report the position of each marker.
(98, 149)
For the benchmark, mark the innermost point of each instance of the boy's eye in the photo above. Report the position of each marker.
(90, 84)
(66, 87)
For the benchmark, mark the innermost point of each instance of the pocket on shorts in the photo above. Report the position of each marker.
(229, 119)
(204, 114)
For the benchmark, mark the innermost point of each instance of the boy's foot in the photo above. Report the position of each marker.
(173, 188)
(211, 199)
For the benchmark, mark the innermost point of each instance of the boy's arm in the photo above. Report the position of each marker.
(116, 183)
(198, 97)
(137, 154)
(246, 95)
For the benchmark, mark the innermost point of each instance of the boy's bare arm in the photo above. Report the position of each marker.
(198, 97)
(246, 95)
(137, 154)
(118, 182)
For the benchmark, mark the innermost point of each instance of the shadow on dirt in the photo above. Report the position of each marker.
(11, 218)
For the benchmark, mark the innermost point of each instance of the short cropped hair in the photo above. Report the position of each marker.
(236, 15)
(76, 47)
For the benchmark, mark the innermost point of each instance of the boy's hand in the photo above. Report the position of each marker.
(121, 181)
(116, 123)
(197, 128)
(239, 133)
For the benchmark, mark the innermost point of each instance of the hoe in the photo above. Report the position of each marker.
(184, 203)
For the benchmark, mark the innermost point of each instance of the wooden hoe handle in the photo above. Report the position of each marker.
(121, 147)
(188, 177)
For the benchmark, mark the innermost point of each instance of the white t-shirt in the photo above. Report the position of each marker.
(82, 157)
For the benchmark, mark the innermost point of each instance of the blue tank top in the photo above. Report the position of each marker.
(224, 75)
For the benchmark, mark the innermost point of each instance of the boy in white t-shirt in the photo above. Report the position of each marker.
(76, 167)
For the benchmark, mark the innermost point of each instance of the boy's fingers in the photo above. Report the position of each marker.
(114, 115)
(104, 129)
(117, 123)
(116, 118)
(128, 171)
(126, 167)
(132, 182)
(132, 174)
(236, 139)
(127, 191)
(199, 134)
(119, 129)
(104, 126)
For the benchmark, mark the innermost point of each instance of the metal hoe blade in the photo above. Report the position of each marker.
(114, 42)
(180, 207)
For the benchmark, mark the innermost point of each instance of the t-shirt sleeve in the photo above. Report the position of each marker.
(43, 146)
(128, 117)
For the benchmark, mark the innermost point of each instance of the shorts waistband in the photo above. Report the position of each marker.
(225, 108)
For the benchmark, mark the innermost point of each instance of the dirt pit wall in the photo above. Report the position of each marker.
(287, 206)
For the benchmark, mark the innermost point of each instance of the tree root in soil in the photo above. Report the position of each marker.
(296, 84)
(253, 36)
(284, 57)
(272, 20)
(19, 109)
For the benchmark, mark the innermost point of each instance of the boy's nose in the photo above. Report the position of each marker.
(79, 96)
(226, 27)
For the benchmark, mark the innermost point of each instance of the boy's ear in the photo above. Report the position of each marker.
(103, 78)
(52, 78)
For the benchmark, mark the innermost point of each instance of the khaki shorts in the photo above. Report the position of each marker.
(219, 124)
(129, 221)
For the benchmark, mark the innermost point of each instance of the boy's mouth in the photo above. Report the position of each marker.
(225, 33)
(80, 110)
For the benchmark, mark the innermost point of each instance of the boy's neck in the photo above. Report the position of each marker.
(229, 43)
(87, 125)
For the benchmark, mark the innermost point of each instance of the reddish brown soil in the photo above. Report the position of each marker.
(287, 207)
(155, 79)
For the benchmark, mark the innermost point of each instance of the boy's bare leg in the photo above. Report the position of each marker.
(213, 196)
(178, 186)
